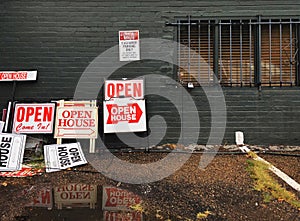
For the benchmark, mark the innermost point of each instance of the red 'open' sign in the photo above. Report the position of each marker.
(34, 118)
(124, 88)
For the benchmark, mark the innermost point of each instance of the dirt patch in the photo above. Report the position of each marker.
(224, 189)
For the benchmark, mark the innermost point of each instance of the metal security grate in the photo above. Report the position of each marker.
(236, 53)
(278, 52)
(195, 52)
(242, 52)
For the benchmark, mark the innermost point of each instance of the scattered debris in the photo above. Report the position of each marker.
(204, 215)
(138, 208)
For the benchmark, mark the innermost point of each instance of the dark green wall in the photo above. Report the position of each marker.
(60, 38)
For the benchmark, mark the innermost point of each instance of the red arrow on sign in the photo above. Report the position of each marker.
(75, 131)
(130, 113)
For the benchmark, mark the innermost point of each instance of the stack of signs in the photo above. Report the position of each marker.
(124, 106)
(63, 156)
(12, 148)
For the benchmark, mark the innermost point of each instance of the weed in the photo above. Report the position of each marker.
(264, 182)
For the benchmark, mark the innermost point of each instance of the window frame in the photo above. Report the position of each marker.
(256, 23)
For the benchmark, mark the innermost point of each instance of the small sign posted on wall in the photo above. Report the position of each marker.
(63, 156)
(34, 118)
(76, 122)
(124, 115)
(129, 45)
(12, 148)
(124, 88)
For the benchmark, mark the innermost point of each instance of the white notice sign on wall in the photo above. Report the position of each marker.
(129, 45)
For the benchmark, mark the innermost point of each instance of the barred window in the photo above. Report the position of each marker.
(243, 52)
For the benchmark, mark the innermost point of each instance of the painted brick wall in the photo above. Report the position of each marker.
(61, 38)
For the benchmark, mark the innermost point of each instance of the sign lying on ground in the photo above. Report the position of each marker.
(129, 45)
(76, 195)
(124, 88)
(33, 118)
(76, 122)
(118, 199)
(26, 171)
(63, 156)
(122, 216)
(124, 115)
(18, 75)
(12, 148)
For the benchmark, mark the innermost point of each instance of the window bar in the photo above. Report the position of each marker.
(270, 53)
(179, 51)
(199, 51)
(189, 43)
(274, 23)
(280, 52)
(230, 52)
(250, 52)
(241, 53)
(257, 54)
(209, 61)
(216, 52)
(291, 52)
(221, 62)
(297, 57)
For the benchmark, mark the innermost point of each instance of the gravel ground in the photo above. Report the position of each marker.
(224, 188)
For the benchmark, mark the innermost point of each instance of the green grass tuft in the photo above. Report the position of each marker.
(264, 182)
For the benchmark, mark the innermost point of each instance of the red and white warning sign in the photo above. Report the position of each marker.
(124, 88)
(34, 118)
(124, 115)
(118, 199)
(18, 75)
(76, 122)
(129, 45)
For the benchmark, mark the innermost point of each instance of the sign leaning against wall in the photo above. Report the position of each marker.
(33, 118)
